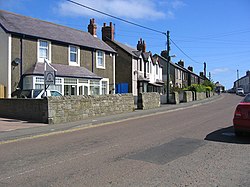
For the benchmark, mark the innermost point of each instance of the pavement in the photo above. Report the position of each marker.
(12, 129)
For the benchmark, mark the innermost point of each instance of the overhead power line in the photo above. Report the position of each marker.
(126, 21)
(185, 53)
(132, 23)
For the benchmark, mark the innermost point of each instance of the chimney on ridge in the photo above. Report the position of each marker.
(190, 68)
(181, 63)
(108, 32)
(92, 27)
(141, 45)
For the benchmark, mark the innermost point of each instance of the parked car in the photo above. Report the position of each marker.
(35, 93)
(241, 118)
(239, 91)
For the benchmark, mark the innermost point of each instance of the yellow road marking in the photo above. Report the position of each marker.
(88, 126)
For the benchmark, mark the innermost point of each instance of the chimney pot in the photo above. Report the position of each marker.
(190, 68)
(107, 32)
(92, 27)
(141, 46)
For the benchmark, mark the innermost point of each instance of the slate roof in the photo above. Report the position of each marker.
(18, 24)
(63, 71)
(130, 50)
(173, 64)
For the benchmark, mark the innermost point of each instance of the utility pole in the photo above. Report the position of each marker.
(168, 65)
(238, 79)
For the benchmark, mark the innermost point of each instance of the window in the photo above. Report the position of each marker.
(100, 59)
(74, 55)
(140, 64)
(70, 86)
(147, 67)
(44, 50)
(156, 69)
(94, 87)
(105, 86)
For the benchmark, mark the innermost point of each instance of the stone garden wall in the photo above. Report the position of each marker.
(76, 108)
(148, 100)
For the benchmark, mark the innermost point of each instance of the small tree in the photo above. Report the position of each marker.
(210, 84)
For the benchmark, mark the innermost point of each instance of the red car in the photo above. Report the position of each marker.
(241, 119)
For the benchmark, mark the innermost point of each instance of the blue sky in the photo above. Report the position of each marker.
(213, 31)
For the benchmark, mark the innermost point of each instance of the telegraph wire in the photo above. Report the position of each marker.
(185, 53)
(115, 17)
(132, 23)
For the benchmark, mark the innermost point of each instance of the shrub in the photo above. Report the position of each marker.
(210, 84)
(196, 88)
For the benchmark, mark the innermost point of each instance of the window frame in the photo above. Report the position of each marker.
(107, 86)
(77, 62)
(41, 59)
(103, 60)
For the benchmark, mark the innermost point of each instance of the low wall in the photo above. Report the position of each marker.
(148, 100)
(174, 98)
(201, 96)
(75, 108)
(188, 96)
(25, 109)
(64, 109)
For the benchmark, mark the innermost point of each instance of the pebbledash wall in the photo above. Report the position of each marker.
(54, 110)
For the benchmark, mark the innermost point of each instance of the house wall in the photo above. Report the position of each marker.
(108, 71)
(86, 59)
(123, 66)
(29, 51)
(59, 55)
(4, 58)
(134, 74)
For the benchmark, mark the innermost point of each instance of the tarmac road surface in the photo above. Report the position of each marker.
(195, 146)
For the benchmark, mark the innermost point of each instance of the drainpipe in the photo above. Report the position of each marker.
(21, 61)
(92, 61)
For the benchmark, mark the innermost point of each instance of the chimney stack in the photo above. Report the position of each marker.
(141, 46)
(108, 32)
(201, 74)
(92, 27)
(164, 54)
(181, 63)
(190, 68)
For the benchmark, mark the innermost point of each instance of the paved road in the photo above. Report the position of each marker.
(190, 147)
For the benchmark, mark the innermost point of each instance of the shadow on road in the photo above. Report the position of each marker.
(227, 135)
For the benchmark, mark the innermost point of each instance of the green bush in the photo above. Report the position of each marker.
(210, 84)
(197, 88)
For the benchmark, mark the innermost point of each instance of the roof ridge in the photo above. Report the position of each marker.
(37, 19)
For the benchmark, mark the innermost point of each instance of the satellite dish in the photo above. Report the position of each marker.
(16, 62)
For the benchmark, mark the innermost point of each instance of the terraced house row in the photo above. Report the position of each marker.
(84, 64)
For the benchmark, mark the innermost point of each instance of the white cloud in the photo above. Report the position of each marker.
(176, 4)
(220, 70)
(133, 9)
